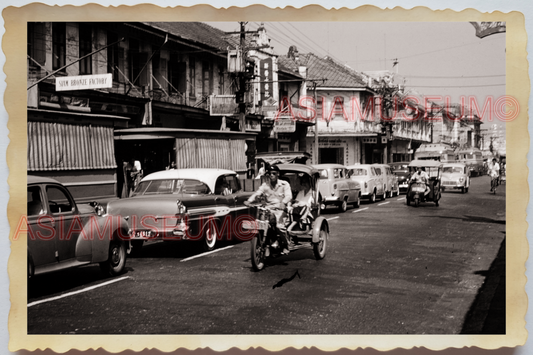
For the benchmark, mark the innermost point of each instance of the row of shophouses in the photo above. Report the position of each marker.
(188, 95)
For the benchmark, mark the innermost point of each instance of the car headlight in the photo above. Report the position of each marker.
(461, 180)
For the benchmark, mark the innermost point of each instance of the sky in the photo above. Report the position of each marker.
(434, 58)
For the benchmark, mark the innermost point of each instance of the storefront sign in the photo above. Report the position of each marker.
(84, 82)
(284, 125)
(266, 78)
(222, 105)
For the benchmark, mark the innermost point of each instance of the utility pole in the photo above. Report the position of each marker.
(242, 80)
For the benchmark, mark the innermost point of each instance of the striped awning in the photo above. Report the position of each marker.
(59, 146)
(211, 153)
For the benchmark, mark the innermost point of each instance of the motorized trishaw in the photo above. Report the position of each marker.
(416, 190)
(313, 229)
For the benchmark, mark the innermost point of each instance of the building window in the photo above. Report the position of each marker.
(192, 77)
(177, 74)
(160, 73)
(86, 43)
(139, 72)
(207, 79)
(221, 80)
(36, 43)
(59, 44)
(115, 58)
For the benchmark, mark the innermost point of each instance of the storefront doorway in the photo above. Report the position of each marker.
(331, 156)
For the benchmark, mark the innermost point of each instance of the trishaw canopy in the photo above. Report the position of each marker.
(298, 168)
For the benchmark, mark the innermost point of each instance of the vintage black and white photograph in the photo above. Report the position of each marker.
(253, 178)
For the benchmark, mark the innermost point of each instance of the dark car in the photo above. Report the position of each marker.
(401, 169)
(202, 205)
(63, 234)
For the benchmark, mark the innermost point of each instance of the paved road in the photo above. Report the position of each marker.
(390, 269)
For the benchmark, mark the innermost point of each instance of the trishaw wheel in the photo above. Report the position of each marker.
(258, 252)
(417, 202)
(319, 249)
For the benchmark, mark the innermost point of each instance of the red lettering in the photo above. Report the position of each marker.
(241, 233)
(368, 112)
(302, 104)
(502, 103)
(285, 109)
(337, 101)
(23, 221)
(472, 102)
(46, 226)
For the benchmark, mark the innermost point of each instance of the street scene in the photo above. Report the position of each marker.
(266, 178)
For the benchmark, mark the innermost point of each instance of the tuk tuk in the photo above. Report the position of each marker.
(416, 192)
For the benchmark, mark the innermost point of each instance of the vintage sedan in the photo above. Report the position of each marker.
(336, 188)
(455, 176)
(63, 234)
(401, 169)
(201, 205)
(390, 180)
(369, 180)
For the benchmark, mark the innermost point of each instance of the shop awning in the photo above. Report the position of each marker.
(272, 158)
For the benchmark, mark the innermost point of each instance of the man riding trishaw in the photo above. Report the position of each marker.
(287, 213)
(424, 182)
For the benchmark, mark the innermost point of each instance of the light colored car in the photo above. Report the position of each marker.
(200, 205)
(455, 176)
(369, 180)
(336, 188)
(63, 234)
(390, 180)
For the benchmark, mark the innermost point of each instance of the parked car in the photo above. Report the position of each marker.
(336, 188)
(185, 204)
(369, 180)
(390, 180)
(455, 176)
(63, 234)
(401, 169)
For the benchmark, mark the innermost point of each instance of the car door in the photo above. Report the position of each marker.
(68, 221)
(352, 186)
(41, 228)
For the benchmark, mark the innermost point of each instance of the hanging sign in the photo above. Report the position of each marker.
(84, 82)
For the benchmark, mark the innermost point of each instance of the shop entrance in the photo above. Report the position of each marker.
(331, 156)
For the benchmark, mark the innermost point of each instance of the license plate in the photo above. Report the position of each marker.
(419, 189)
(145, 234)
(403, 185)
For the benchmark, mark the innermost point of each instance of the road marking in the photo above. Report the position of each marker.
(384, 203)
(401, 198)
(329, 219)
(76, 292)
(206, 253)
(361, 209)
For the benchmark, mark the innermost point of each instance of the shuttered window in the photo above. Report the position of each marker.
(211, 153)
(58, 146)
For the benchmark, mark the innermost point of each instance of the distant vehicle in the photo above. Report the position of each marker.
(63, 234)
(369, 180)
(455, 176)
(472, 158)
(401, 169)
(336, 188)
(416, 192)
(436, 151)
(183, 204)
(390, 180)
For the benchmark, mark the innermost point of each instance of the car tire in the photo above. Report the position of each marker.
(408, 201)
(466, 189)
(463, 190)
(357, 202)
(373, 196)
(116, 260)
(257, 252)
(210, 236)
(343, 206)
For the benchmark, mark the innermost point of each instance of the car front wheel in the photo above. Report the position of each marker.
(210, 236)
(116, 260)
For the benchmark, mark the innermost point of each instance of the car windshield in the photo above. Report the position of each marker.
(171, 186)
(359, 172)
(323, 174)
(452, 169)
(403, 167)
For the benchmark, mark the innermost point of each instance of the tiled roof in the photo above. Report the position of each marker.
(337, 75)
(198, 32)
